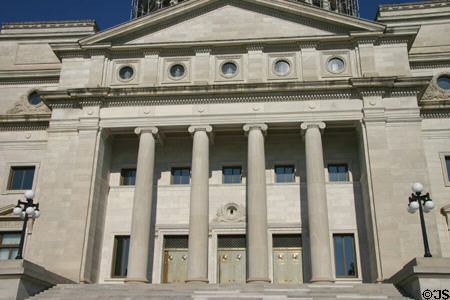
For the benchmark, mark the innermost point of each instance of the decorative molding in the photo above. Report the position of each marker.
(260, 126)
(194, 128)
(307, 125)
(49, 24)
(435, 113)
(152, 130)
(23, 145)
(231, 213)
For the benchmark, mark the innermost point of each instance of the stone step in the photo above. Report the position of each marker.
(221, 292)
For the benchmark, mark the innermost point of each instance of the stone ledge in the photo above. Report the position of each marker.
(20, 279)
(421, 274)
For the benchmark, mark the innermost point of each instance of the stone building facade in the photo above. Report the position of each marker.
(228, 141)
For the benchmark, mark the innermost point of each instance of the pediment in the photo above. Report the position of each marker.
(224, 20)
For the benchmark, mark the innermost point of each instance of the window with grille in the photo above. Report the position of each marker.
(181, 175)
(120, 257)
(176, 242)
(9, 245)
(287, 241)
(232, 175)
(338, 173)
(232, 241)
(128, 177)
(21, 178)
(284, 173)
(345, 256)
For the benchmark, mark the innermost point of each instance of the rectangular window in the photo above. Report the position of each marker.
(338, 173)
(21, 178)
(181, 175)
(232, 175)
(120, 257)
(447, 164)
(9, 245)
(128, 177)
(284, 173)
(345, 255)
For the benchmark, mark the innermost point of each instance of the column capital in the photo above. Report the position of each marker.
(207, 128)
(250, 126)
(307, 125)
(152, 130)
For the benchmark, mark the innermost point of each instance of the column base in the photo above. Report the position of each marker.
(136, 280)
(197, 280)
(322, 280)
(258, 280)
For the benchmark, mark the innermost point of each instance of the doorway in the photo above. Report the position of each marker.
(231, 259)
(175, 259)
(287, 258)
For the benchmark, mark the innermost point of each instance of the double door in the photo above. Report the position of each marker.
(175, 259)
(231, 259)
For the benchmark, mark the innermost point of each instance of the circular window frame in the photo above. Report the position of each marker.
(435, 81)
(289, 62)
(238, 69)
(173, 65)
(128, 79)
(340, 58)
(29, 96)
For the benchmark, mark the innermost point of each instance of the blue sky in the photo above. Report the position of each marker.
(107, 13)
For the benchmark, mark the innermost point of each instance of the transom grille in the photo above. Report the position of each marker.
(287, 241)
(232, 241)
(176, 242)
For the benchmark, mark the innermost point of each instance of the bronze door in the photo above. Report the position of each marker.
(231, 259)
(175, 259)
(287, 259)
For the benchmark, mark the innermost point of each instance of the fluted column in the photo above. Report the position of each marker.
(319, 236)
(258, 252)
(199, 206)
(142, 206)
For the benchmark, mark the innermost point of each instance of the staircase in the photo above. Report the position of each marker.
(221, 292)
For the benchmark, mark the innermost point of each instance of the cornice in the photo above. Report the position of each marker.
(49, 76)
(354, 88)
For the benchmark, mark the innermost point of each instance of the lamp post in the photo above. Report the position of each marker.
(26, 210)
(424, 204)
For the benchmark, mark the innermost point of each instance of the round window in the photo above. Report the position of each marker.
(126, 73)
(336, 65)
(34, 98)
(282, 67)
(444, 82)
(229, 69)
(177, 71)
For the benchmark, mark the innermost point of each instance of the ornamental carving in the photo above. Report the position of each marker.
(434, 93)
(24, 107)
(231, 213)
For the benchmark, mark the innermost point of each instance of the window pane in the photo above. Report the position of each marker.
(227, 179)
(227, 171)
(447, 162)
(339, 256)
(332, 170)
(342, 173)
(16, 183)
(289, 174)
(122, 249)
(349, 256)
(28, 179)
(236, 178)
(4, 253)
(237, 171)
(14, 253)
(177, 172)
(11, 238)
(185, 173)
